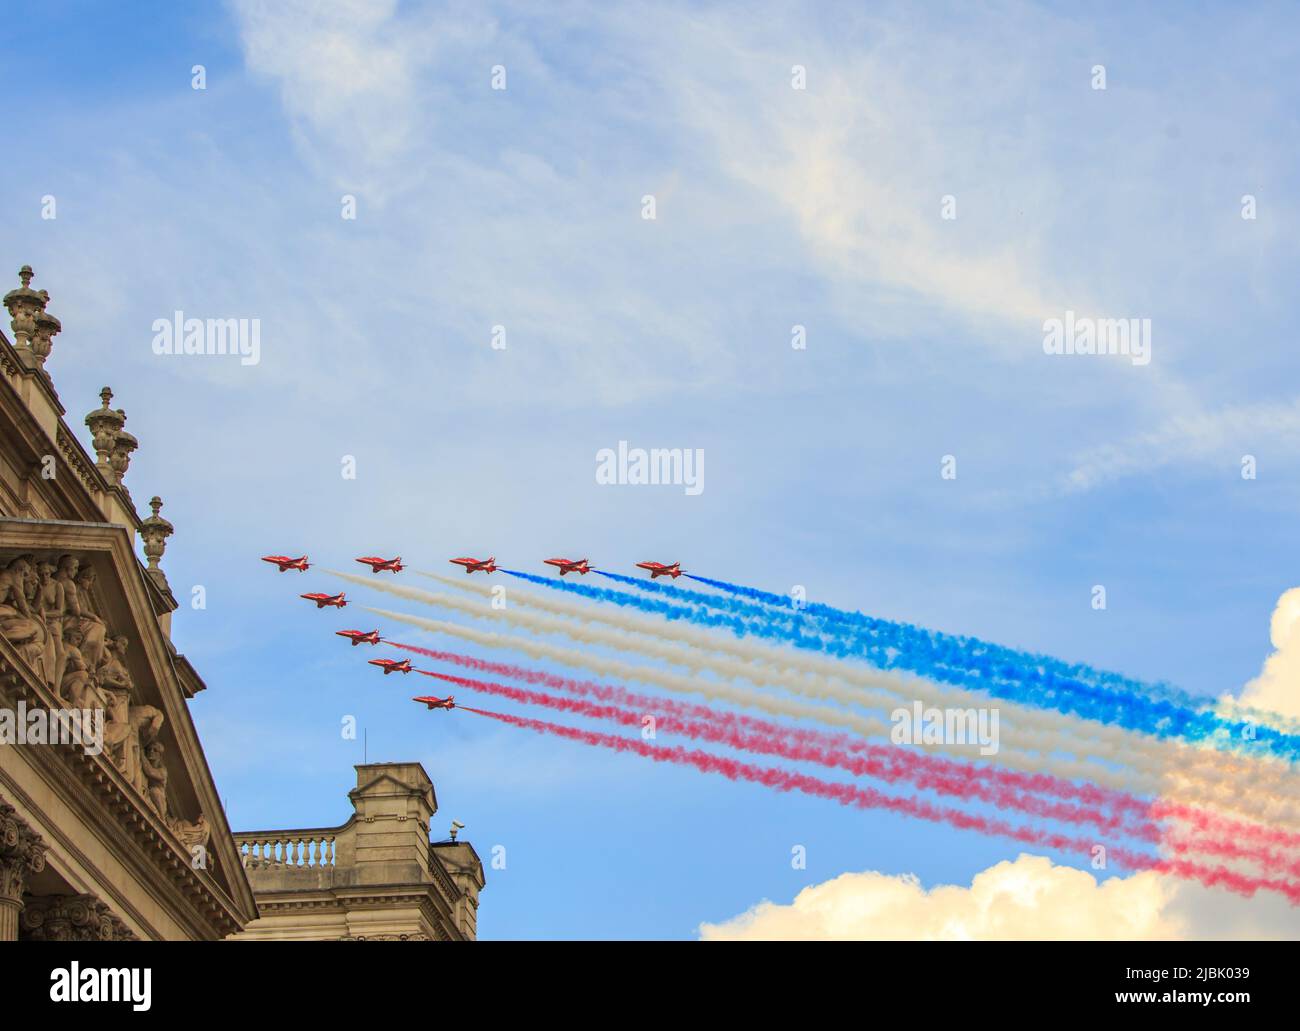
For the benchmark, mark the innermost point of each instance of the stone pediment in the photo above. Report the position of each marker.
(79, 621)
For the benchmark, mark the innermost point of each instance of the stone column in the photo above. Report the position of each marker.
(21, 853)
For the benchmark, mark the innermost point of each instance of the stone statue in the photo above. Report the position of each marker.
(193, 835)
(91, 625)
(128, 728)
(49, 610)
(156, 775)
(112, 671)
(18, 623)
(78, 684)
(65, 572)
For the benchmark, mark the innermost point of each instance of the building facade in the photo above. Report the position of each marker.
(376, 877)
(110, 824)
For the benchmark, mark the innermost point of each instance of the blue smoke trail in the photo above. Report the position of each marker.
(966, 662)
(855, 624)
(828, 614)
(857, 621)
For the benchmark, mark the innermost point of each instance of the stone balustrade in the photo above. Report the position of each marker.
(279, 849)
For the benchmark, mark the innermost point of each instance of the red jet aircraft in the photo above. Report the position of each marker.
(477, 565)
(658, 569)
(359, 637)
(285, 562)
(570, 565)
(392, 665)
(325, 600)
(437, 703)
(381, 565)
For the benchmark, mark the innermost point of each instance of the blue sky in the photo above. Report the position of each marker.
(775, 207)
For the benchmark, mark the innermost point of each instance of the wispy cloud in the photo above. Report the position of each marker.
(1219, 439)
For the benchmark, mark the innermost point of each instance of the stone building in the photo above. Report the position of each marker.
(110, 824)
(377, 877)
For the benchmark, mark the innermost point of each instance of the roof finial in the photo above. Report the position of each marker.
(155, 530)
(104, 425)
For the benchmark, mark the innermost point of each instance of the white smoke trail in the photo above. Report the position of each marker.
(1188, 790)
(867, 726)
(1035, 729)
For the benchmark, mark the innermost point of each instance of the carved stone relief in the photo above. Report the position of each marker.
(49, 614)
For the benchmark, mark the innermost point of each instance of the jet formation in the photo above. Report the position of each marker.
(581, 566)
(564, 566)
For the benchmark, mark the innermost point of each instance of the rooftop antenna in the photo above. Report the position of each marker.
(365, 746)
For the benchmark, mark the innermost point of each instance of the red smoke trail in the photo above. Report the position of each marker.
(888, 764)
(868, 798)
(1147, 811)
(1039, 783)
(1208, 822)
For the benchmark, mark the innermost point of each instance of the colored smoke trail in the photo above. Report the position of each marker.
(869, 798)
(759, 665)
(1073, 676)
(893, 764)
(868, 726)
(1075, 688)
(1220, 793)
(1039, 783)
(1032, 728)
(1018, 676)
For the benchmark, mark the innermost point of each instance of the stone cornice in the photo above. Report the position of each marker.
(30, 440)
(366, 897)
(94, 488)
(9, 364)
(13, 365)
(75, 455)
(443, 880)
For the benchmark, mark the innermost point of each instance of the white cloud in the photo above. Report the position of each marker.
(1277, 688)
(352, 76)
(860, 159)
(1219, 438)
(1028, 898)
